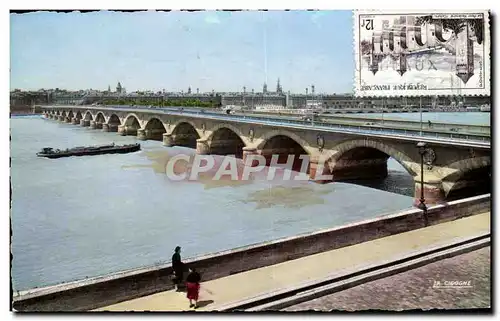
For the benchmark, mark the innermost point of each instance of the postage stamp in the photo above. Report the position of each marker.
(410, 53)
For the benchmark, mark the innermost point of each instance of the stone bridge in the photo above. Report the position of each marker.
(451, 171)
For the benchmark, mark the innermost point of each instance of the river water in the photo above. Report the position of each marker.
(81, 217)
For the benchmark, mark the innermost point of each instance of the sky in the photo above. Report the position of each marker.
(209, 50)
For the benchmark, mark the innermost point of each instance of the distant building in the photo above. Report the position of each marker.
(279, 89)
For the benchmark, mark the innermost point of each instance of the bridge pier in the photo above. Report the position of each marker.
(122, 131)
(61, 118)
(167, 140)
(95, 125)
(67, 120)
(112, 128)
(317, 169)
(433, 192)
(105, 127)
(202, 147)
(84, 123)
(75, 121)
(247, 151)
(141, 134)
(127, 130)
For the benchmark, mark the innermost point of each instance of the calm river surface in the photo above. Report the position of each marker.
(81, 217)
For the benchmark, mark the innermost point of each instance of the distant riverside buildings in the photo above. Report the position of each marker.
(264, 100)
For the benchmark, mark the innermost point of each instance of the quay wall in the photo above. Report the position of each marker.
(102, 291)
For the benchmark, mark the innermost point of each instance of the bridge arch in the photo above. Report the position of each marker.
(231, 127)
(114, 120)
(132, 124)
(78, 115)
(185, 134)
(155, 123)
(467, 177)
(155, 129)
(283, 144)
(88, 115)
(132, 120)
(99, 118)
(70, 114)
(360, 148)
(188, 121)
(282, 132)
(226, 139)
(365, 162)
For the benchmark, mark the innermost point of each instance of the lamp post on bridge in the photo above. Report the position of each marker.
(421, 205)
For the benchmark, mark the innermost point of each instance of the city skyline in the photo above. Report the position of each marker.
(210, 50)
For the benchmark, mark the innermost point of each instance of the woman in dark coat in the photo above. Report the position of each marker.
(178, 267)
(193, 287)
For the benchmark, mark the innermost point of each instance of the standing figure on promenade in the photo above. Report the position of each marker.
(193, 287)
(178, 267)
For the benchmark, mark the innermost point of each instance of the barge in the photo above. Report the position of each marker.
(89, 151)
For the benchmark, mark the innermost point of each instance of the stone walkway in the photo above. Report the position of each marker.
(255, 282)
(414, 289)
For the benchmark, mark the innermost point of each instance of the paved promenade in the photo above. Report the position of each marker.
(414, 289)
(234, 288)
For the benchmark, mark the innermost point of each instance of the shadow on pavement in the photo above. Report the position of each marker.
(204, 303)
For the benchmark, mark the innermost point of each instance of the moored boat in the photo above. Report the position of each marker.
(472, 108)
(89, 151)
